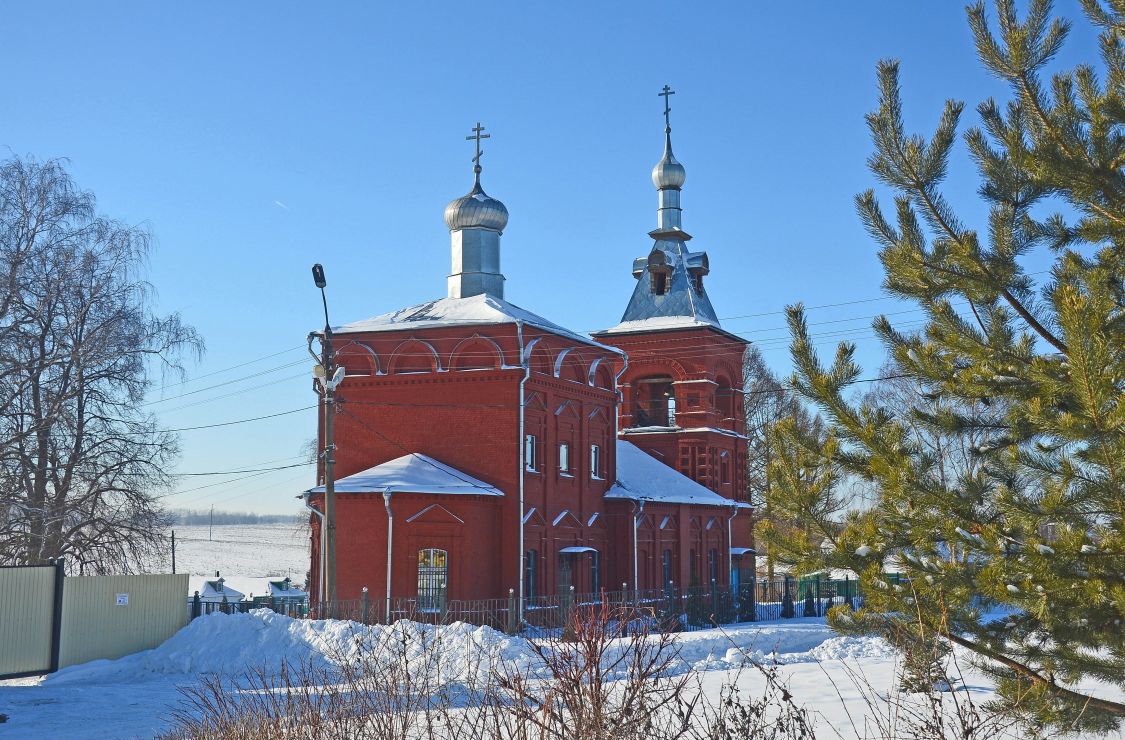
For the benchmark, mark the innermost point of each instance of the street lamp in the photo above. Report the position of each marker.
(327, 376)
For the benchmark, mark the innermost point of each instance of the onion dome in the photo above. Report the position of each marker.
(668, 174)
(477, 210)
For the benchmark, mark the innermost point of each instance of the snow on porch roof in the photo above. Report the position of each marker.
(476, 310)
(413, 473)
(576, 548)
(641, 477)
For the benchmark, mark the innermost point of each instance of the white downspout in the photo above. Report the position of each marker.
(521, 442)
(730, 555)
(617, 406)
(323, 552)
(390, 539)
(636, 524)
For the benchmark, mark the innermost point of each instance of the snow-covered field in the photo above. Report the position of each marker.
(247, 555)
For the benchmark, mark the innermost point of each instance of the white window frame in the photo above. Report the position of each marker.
(564, 457)
(529, 461)
(595, 462)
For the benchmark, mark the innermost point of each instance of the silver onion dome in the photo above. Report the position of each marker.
(668, 173)
(477, 210)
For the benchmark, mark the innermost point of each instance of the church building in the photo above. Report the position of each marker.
(481, 447)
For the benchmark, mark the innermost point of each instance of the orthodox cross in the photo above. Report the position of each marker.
(478, 134)
(665, 93)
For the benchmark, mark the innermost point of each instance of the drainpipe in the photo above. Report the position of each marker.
(390, 539)
(730, 555)
(323, 536)
(639, 512)
(522, 464)
(620, 400)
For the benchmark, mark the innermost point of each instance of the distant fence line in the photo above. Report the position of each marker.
(667, 609)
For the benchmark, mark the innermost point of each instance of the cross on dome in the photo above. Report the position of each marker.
(665, 93)
(478, 134)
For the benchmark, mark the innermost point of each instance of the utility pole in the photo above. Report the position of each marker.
(173, 552)
(328, 376)
(211, 526)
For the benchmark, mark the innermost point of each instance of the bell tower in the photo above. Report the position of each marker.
(682, 392)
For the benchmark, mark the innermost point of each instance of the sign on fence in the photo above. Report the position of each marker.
(48, 621)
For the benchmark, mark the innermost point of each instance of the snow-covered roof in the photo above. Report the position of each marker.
(641, 477)
(217, 589)
(413, 473)
(656, 323)
(284, 589)
(476, 310)
(677, 430)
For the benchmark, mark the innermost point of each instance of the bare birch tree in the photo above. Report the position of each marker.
(81, 464)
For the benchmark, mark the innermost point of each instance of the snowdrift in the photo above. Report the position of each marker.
(231, 643)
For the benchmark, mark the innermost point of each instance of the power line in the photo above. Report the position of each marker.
(240, 421)
(412, 453)
(225, 383)
(233, 367)
(249, 470)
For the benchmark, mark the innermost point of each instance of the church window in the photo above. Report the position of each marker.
(595, 572)
(659, 282)
(697, 282)
(666, 572)
(724, 467)
(595, 462)
(564, 457)
(433, 579)
(529, 458)
(654, 402)
(713, 565)
(531, 574)
(693, 567)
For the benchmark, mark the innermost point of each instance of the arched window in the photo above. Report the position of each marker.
(654, 402)
(713, 565)
(433, 579)
(531, 574)
(666, 571)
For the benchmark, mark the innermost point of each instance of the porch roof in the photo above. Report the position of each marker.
(413, 473)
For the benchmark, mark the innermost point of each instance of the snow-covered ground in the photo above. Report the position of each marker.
(247, 555)
(135, 696)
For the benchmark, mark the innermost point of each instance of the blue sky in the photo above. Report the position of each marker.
(257, 138)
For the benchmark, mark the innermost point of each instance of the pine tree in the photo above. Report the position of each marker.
(1035, 374)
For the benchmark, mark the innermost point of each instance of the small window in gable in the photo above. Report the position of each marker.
(659, 280)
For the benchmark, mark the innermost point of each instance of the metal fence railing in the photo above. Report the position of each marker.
(670, 608)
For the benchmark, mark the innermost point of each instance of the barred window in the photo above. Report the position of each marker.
(433, 579)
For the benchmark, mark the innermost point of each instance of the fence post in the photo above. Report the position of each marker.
(753, 610)
(56, 615)
(365, 604)
(513, 618)
(819, 605)
(195, 605)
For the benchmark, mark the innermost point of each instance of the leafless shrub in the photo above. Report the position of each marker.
(607, 676)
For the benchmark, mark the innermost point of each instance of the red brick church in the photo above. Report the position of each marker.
(482, 448)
